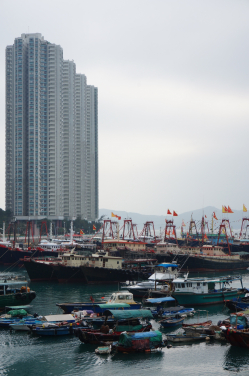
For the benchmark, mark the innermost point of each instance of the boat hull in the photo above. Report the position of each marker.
(199, 263)
(16, 299)
(201, 299)
(237, 337)
(38, 271)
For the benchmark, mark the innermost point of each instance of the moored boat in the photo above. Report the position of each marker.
(118, 300)
(126, 321)
(140, 342)
(206, 291)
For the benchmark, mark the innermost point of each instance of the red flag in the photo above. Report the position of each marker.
(175, 214)
(205, 216)
(214, 215)
(229, 210)
(81, 232)
(119, 218)
(94, 228)
(168, 212)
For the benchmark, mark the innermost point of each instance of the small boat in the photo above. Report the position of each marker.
(167, 323)
(15, 292)
(103, 350)
(140, 342)
(117, 300)
(237, 337)
(187, 338)
(238, 304)
(126, 321)
(205, 323)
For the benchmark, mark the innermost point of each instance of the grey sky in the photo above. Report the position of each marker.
(173, 95)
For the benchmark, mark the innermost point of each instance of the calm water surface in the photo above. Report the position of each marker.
(27, 355)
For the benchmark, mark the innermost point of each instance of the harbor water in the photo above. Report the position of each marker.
(23, 354)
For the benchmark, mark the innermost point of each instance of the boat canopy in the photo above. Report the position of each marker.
(166, 265)
(208, 280)
(67, 317)
(113, 305)
(160, 300)
(129, 314)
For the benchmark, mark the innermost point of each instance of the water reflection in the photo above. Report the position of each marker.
(236, 359)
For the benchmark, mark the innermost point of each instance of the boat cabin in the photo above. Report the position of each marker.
(121, 297)
(100, 260)
(203, 285)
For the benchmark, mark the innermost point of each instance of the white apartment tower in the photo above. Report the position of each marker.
(51, 133)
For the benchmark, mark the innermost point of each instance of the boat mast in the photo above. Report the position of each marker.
(4, 239)
(71, 233)
(51, 231)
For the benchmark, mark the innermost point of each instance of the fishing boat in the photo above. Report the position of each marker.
(162, 311)
(167, 323)
(140, 342)
(118, 300)
(206, 291)
(56, 325)
(237, 337)
(238, 304)
(14, 291)
(176, 338)
(126, 321)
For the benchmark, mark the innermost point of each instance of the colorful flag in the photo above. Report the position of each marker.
(229, 210)
(183, 224)
(224, 209)
(116, 216)
(81, 232)
(175, 214)
(205, 236)
(168, 212)
(244, 208)
(94, 228)
(214, 215)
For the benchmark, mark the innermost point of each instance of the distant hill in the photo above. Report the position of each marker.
(159, 220)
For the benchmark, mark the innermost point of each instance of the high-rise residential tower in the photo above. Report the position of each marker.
(51, 133)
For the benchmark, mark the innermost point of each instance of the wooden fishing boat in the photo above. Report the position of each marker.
(15, 292)
(167, 323)
(140, 342)
(237, 337)
(238, 304)
(187, 338)
(205, 323)
(132, 324)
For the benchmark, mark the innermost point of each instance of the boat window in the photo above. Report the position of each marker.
(128, 297)
(183, 284)
(121, 297)
(204, 284)
(117, 262)
(198, 284)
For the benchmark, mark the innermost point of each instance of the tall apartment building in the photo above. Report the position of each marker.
(51, 133)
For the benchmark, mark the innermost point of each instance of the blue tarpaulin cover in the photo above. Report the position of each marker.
(165, 265)
(128, 314)
(160, 300)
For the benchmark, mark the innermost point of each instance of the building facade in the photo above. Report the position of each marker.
(51, 133)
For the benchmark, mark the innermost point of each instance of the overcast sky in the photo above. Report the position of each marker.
(173, 95)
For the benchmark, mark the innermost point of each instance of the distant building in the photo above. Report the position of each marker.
(51, 133)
